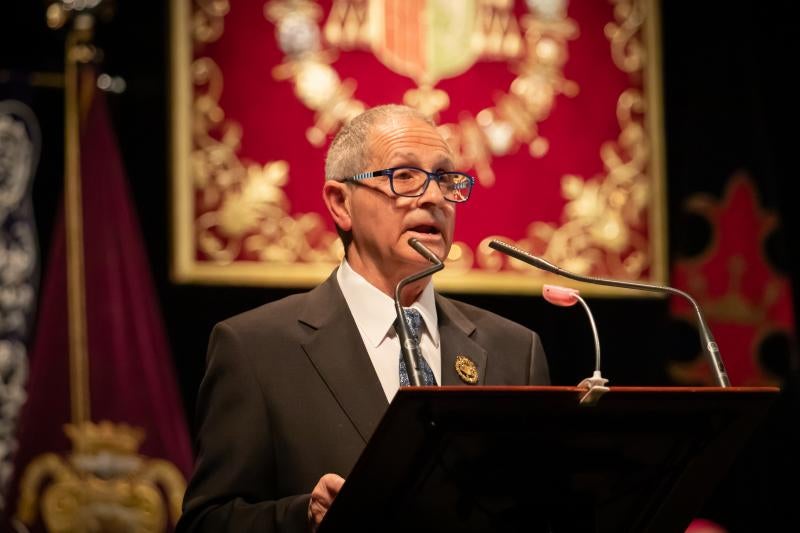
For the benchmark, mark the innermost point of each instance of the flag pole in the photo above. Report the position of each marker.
(77, 52)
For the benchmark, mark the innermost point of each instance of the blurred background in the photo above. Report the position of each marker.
(728, 110)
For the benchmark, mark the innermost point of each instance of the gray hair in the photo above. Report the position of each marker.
(349, 151)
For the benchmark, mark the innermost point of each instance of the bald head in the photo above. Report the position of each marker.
(349, 152)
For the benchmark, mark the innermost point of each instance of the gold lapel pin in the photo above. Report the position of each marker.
(466, 369)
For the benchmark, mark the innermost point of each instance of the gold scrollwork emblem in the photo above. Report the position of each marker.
(242, 209)
(601, 228)
(102, 485)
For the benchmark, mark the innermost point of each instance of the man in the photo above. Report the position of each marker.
(295, 388)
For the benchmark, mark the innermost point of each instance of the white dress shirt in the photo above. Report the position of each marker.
(375, 314)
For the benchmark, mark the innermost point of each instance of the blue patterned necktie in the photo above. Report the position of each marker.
(414, 321)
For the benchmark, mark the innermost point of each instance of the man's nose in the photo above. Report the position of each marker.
(433, 194)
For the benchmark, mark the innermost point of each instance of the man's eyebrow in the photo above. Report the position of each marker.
(445, 164)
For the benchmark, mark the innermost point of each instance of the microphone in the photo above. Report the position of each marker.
(567, 297)
(409, 347)
(708, 343)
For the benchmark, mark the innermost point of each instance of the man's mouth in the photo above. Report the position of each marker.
(424, 228)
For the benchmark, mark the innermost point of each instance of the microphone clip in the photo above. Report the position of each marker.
(595, 388)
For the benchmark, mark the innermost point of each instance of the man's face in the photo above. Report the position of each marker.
(382, 222)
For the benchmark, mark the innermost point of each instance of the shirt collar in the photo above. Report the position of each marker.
(374, 311)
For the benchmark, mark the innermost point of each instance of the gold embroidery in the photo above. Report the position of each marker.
(626, 46)
(605, 217)
(242, 207)
(539, 52)
(600, 214)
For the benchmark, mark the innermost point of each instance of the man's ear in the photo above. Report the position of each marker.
(336, 196)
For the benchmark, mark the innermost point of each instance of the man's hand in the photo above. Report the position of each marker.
(322, 497)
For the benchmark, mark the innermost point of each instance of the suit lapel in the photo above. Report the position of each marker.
(337, 351)
(455, 332)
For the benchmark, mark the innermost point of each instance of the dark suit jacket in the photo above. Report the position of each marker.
(290, 394)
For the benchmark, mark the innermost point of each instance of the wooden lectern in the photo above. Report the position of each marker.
(513, 459)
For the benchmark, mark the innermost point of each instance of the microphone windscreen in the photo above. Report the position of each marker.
(424, 251)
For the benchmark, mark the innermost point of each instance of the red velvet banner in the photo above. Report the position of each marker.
(108, 452)
(553, 105)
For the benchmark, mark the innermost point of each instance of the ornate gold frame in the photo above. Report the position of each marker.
(186, 269)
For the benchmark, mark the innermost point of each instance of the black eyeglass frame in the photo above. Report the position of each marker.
(432, 176)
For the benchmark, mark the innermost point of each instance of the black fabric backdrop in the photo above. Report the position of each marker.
(728, 106)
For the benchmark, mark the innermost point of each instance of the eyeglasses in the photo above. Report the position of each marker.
(413, 182)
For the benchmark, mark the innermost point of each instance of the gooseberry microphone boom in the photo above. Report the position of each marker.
(409, 346)
(708, 343)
